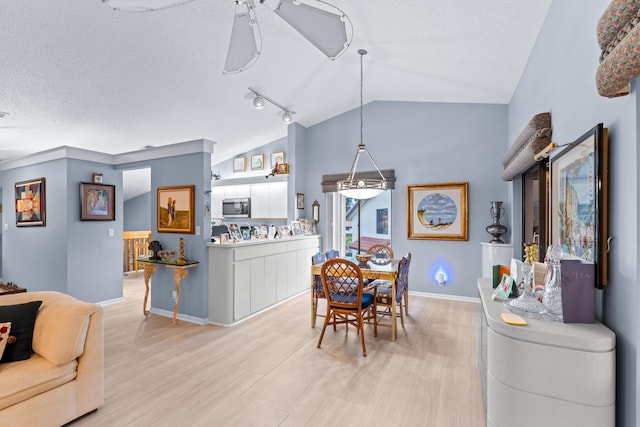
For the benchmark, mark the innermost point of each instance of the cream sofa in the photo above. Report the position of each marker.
(64, 377)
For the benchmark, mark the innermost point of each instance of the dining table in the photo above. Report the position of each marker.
(370, 271)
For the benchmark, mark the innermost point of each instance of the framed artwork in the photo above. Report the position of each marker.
(277, 157)
(283, 168)
(224, 238)
(30, 203)
(579, 201)
(97, 178)
(97, 202)
(437, 211)
(257, 162)
(176, 209)
(382, 221)
(238, 164)
(300, 201)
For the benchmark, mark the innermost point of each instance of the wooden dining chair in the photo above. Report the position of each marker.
(380, 254)
(318, 291)
(383, 288)
(347, 302)
(332, 253)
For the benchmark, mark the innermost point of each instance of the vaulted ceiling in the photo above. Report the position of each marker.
(77, 73)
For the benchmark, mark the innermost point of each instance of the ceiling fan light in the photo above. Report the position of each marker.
(258, 102)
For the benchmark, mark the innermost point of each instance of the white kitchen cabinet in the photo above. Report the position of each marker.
(269, 200)
(236, 191)
(250, 276)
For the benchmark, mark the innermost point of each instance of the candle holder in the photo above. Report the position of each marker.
(181, 259)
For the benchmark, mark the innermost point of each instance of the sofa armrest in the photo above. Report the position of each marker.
(90, 379)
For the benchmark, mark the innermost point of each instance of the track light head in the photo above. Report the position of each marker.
(258, 102)
(287, 117)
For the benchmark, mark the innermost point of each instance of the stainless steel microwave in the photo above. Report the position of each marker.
(236, 208)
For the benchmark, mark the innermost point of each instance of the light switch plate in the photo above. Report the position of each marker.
(111, 232)
(197, 230)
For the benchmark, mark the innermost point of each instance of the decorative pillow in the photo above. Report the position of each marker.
(4, 336)
(23, 320)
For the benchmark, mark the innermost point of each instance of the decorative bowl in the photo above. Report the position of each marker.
(363, 258)
(167, 255)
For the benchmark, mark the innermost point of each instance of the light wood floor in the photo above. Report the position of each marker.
(267, 371)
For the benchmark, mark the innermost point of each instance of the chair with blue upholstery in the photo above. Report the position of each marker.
(347, 302)
(332, 253)
(384, 297)
(317, 291)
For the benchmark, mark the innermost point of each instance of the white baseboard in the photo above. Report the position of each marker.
(110, 301)
(186, 318)
(444, 296)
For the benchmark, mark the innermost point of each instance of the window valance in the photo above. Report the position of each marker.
(330, 182)
(619, 40)
(533, 138)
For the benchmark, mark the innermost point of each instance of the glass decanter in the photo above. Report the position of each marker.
(552, 295)
(526, 304)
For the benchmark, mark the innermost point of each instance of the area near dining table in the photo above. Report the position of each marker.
(369, 271)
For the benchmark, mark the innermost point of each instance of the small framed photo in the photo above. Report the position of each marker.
(300, 201)
(97, 202)
(277, 158)
(296, 228)
(97, 178)
(257, 162)
(283, 168)
(238, 164)
(224, 238)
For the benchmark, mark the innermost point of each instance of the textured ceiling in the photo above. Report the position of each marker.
(77, 73)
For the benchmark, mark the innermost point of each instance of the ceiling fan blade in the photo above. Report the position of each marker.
(325, 26)
(245, 43)
(143, 5)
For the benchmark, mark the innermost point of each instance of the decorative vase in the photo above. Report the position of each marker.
(496, 229)
(552, 296)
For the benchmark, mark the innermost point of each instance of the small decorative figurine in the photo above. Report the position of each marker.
(154, 248)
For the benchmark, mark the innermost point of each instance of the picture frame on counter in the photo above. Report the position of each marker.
(224, 238)
(296, 228)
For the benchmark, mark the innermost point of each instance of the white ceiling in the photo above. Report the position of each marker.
(77, 73)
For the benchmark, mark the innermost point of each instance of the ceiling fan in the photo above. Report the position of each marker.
(323, 24)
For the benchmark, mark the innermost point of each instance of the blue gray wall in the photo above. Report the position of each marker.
(66, 255)
(425, 143)
(136, 213)
(560, 78)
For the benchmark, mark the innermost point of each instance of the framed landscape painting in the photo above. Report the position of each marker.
(97, 202)
(176, 209)
(438, 211)
(30, 203)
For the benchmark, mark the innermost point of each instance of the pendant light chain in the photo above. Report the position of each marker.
(362, 53)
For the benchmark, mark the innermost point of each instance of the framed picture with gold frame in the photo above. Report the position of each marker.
(30, 203)
(277, 158)
(239, 164)
(175, 207)
(438, 211)
(257, 162)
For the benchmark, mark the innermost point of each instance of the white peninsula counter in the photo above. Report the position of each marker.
(250, 276)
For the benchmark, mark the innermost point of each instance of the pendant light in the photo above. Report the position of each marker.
(362, 188)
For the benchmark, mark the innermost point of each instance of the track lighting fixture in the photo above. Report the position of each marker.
(258, 102)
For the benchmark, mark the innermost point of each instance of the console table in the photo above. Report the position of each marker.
(546, 373)
(180, 272)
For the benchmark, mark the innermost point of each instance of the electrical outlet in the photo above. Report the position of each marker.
(174, 295)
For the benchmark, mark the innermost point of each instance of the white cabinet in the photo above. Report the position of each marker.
(247, 277)
(564, 373)
(217, 194)
(269, 200)
(236, 191)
